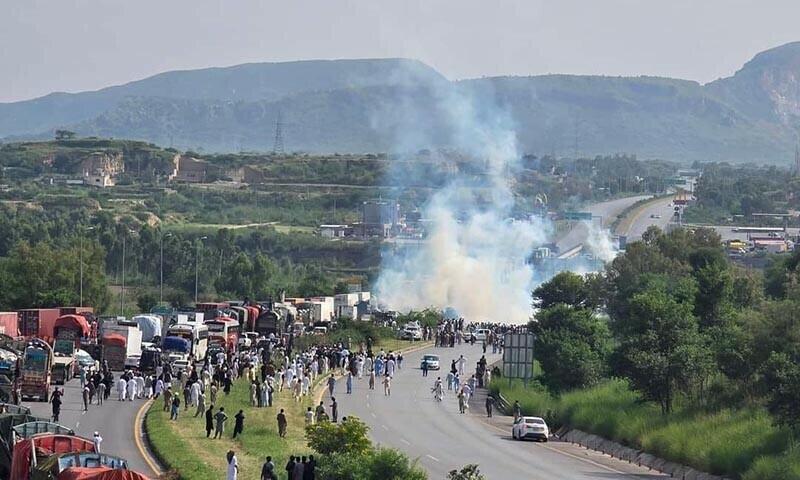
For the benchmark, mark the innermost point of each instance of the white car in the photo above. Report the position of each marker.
(132, 361)
(530, 427)
(432, 361)
(247, 340)
(481, 334)
(411, 333)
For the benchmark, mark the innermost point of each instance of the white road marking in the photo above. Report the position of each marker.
(77, 424)
(385, 427)
(405, 441)
(373, 414)
(432, 458)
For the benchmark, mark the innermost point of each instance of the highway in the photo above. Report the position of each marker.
(607, 213)
(658, 213)
(114, 421)
(442, 439)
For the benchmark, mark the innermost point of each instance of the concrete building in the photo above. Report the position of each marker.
(379, 218)
(188, 169)
(100, 180)
(335, 231)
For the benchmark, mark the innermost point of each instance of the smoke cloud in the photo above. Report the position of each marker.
(476, 257)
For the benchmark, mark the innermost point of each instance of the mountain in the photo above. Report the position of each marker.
(394, 104)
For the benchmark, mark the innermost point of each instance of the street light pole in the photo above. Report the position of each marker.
(122, 293)
(81, 257)
(196, 263)
(161, 294)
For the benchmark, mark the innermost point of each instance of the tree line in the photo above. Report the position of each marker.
(681, 323)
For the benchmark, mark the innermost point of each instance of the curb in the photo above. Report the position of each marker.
(140, 437)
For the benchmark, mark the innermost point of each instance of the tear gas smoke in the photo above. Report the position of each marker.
(476, 257)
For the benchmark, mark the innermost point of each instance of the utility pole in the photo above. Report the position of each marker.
(196, 263)
(161, 294)
(277, 146)
(81, 255)
(122, 293)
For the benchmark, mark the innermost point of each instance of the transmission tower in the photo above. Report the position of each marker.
(277, 147)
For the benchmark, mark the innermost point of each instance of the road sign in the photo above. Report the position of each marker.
(577, 216)
(518, 355)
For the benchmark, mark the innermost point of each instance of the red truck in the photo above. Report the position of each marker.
(68, 331)
(9, 323)
(38, 322)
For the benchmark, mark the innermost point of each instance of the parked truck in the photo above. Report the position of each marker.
(69, 331)
(38, 322)
(121, 340)
(35, 373)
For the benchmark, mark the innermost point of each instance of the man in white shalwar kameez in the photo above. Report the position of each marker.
(121, 385)
(131, 389)
(195, 393)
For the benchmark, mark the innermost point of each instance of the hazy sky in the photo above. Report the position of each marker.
(74, 45)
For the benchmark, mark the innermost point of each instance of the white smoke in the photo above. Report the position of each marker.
(475, 258)
(600, 244)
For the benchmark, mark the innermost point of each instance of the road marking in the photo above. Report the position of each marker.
(432, 458)
(77, 424)
(373, 414)
(385, 427)
(137, 437)
(405, 441)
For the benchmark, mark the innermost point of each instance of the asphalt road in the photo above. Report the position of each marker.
(659, 213)
(443, 440)
(607, 213)
(114, 421)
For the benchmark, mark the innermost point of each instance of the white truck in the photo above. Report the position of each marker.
(120, 339)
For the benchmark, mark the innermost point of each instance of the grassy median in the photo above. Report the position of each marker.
(184, 449)
(741, 443)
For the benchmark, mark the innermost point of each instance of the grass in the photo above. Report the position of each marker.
(741, 443)
(183, 445)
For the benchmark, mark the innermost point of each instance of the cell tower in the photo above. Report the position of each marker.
(797, 160)
(277, 147)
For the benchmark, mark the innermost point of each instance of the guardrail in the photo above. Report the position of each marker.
(502, 404)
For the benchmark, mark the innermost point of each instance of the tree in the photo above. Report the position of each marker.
(348, 437)
(566, 288)
(468, 472)
(661, 351)
(572, 346)
(782, 379)
(64, 135)
(146, 301)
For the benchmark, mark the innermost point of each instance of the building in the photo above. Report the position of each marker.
(188, 169)
(101, 180)
(335, 231)
(380, 218)
(99, 169)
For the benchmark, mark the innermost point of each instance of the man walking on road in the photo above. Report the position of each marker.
(517, 410)
(331, 384)
(424, 369)
(462, 365)
(97, 440)
(387, 386)
(334, 409)
(55, 399)
(489, 405)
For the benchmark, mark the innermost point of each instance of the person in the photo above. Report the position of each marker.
(220, 417)
(309, 417)
(176, 405)
(238, 425)
(233, 466)
(517, 410)
(462, 365)
(85, 394)
(55, 399)
(462, 402)
(121, 386)
(201, 404)
(331, 384)
(268, 470)
(308, 470)
(97, 440)
(424, 368)
(334, 409)
(101, 392)
(299, 464)
(290, 467)
(387, 385)
(489, 405)
(438, 390)
(349, 382)
(372, 379)
(131, 387)
(319, 413)
(281, 424)
(209, 420)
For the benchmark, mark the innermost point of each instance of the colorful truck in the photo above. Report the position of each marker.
(36, 370)
(38, 322)
(69, 330)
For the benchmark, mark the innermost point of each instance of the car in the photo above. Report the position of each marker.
(530, 427)
(432, 362)
(83, 359)
(247, 340)
(132, 361)
(180, 365)
(411, 333)
(481, 334)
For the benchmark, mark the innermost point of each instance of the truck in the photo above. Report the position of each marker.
(9, 323)
(36, 370)
(38, 322)
(121, 340)
(69, 330)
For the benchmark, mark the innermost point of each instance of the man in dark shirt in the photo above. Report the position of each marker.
(268, 470)
(209, 420)
(308, 471)
(238, 426)
(290, 468)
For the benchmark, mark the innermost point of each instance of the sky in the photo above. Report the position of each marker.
(77, 45)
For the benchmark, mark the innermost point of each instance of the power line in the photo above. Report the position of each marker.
(277, 146)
